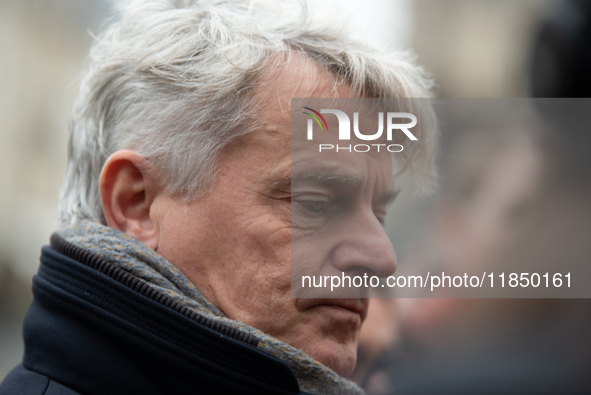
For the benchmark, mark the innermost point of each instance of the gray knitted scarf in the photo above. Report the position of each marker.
(145, 263)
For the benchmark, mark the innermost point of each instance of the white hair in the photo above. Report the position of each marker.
(174, 80)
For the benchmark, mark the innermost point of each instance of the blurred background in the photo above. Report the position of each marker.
(473, 48)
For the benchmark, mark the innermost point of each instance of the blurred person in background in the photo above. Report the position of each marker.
(378, 336)
(561, 53)
(503, 195)
(513, 200)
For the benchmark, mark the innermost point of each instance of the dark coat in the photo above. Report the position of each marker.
(95, 329)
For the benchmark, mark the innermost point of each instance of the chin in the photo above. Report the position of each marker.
(341, 358)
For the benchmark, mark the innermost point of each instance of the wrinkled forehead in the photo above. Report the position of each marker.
(292, 75)
(342, 167)
(341, 136)
(293, 95)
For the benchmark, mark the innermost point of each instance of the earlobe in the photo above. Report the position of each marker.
(127, 193)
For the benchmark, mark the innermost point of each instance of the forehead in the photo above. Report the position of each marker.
(345, 169)
(302, 78)
(297, 77)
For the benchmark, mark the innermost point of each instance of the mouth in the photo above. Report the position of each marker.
(356, 306)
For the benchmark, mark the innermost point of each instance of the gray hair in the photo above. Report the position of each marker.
(174, 81)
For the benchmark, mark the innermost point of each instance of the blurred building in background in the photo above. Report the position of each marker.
(477, 48)
(473, 48)
(43, 44)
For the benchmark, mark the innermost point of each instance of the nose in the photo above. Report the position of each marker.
(364, 247)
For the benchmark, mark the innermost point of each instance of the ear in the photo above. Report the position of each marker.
(127, 194)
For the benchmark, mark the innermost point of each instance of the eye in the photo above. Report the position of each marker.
(312, 205)
(315, 206)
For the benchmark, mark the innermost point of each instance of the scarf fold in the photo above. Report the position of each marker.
(145, 263)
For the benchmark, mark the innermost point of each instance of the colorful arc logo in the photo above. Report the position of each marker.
(315, 118)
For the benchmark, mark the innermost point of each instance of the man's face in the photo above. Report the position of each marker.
(235, 244)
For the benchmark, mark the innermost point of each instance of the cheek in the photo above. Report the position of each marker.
(256, 242)
(180, 238)
(314, 253)
(261, 298)
(265, 262)
(257, 270)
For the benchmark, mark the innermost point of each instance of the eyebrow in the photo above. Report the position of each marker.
(330, 179)
(323, 177)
